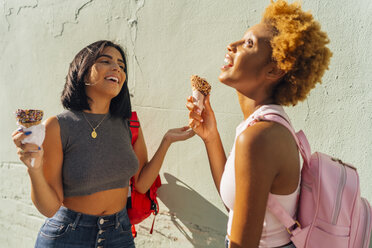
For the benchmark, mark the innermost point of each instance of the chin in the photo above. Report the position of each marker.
(113, 91)
(223, 78)
(112, 94)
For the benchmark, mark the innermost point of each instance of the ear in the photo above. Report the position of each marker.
(274, 73)
(86, 77)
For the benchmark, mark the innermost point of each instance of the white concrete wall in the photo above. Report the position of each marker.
(166, 42)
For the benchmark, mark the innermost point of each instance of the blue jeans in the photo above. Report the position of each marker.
(71, 229)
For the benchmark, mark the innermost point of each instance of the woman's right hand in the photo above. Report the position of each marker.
(203, 123)
(28, 151)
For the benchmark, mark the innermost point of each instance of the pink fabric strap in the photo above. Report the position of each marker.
(303, 145)
(277, 209)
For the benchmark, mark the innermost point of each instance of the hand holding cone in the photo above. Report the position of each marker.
(200, 89)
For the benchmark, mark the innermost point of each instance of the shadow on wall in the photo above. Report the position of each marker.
(206, 223)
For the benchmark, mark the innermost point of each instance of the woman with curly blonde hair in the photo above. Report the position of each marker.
(276, 63)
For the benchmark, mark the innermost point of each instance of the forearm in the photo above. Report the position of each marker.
(151, 169)
(216, 157)
(43, 196)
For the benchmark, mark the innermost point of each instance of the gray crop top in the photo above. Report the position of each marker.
(93, 165)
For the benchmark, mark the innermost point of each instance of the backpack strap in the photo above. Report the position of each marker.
(134, 126)
(134, 129)
(281, 214)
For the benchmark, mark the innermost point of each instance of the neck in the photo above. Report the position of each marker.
(98, 106)
(248, 105)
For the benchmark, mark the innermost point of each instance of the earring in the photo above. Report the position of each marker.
(89, 84)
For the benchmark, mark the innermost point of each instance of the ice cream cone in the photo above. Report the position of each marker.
(29, 117)
(30, 121)
(200, 89)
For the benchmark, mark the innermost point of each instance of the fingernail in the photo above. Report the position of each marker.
(201, 120)
(39, 148)
(19, 129)
(198, 111)
(28, 133)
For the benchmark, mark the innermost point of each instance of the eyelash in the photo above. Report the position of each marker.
(249, 43)
(107, 62)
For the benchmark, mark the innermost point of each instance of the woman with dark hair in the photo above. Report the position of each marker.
(275, 64)
(80, 175)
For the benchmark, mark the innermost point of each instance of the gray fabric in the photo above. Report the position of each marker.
(93, 165)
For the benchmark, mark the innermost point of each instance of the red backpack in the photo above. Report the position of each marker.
(140, 206)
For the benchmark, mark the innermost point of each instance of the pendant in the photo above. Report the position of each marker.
(94, 134)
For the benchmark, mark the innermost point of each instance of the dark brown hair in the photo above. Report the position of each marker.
(74, 96)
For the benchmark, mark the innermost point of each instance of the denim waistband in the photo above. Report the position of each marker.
(81, 219)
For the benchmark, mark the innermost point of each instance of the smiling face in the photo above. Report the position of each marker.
(106, 76)
(248, 61)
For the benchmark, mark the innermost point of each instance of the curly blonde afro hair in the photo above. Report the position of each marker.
(299, 49)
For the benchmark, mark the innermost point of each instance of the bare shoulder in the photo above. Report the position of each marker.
(253, 147)
(258, 135)
(268, 153)
(267, 144)
(52, 131)
(265, 136)
(52, 124)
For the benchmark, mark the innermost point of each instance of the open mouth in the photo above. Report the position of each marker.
(113, 79)
(228, 62)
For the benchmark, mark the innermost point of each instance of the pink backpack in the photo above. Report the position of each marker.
(331, 212)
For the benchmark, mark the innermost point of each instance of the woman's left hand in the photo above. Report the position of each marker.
(178, 134)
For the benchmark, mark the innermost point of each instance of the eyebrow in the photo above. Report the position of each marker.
(110, 57)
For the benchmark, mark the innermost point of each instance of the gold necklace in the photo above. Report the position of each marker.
(94, 133)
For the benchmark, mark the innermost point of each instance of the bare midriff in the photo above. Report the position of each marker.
(101, 203)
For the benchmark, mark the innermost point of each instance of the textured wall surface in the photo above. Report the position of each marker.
(167, 41)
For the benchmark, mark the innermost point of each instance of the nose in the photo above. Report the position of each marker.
(115, 66)
(233, 46)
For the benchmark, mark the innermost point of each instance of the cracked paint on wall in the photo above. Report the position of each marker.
(28, 6)
(75, 20)
(136, 5)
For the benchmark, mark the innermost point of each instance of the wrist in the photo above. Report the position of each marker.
(166, 141)
(212, 137)
(32, 171)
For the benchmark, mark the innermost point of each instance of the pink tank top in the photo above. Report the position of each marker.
(274, 234)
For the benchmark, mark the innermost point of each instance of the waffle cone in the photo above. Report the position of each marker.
(30, 124)
(200, 84)
(29, 117)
